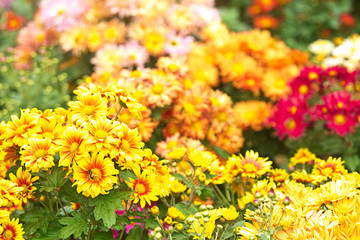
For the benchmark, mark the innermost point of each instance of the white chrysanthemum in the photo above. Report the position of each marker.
(321, 47)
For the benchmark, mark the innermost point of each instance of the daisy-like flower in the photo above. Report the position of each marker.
(146, 189)
(95, 175)
(302, 156)
(253, 114)
(100, 137)
(201, 159)
(279, 175)
(178, 45)
(127, 145)
(321, 47)
(230, 214)
(74, 39)
(88, 106)
(73, 145)
(336, 190)
(109, 58)
(19, 130)
(135, 54)
(176, 186)
(10, 193)
(24, 179)
(39, 154)
(161, 89)
(50, 129)
(12, 230)
(62, 14)
(305, 178)
(251, 165)
(266, 22)
(329, 168)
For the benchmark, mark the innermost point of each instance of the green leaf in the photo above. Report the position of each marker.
(75, 225)
(135, 233)
(186, 211)
(50, 235)
(239, 224)
(55, 180)
(229, 233)
(152, 223)
(127, 175)
(352, 162)
(179, 236)
(105, 206)
(103, 235)
(222, 153)
(121, 221)
(37, 219)
(183, 179)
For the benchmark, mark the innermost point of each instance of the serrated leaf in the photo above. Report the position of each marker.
(152, 223)
(179, 236)
(75, 225)
(127, 175)
(105, 206)
(37, 219)
(50, 235)
(103, 235)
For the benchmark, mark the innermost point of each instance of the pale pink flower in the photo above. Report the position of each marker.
(178, 45)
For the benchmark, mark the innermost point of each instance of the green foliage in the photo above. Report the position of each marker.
(41, 86)
(75, 225)
(105, 206)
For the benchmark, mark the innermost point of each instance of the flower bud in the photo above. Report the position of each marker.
(154, 211)
(203, 208)
(271, 193)
(179, 227)
(258, 195)
(190, 220)
(256, 202)
(158, 236)
(220, 227)
(209, 207)
(205, 213)
(286, 201)
(206, 219)
(157, 229)
(198, 215)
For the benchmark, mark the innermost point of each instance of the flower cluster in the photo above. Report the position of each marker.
(329, 95)
(344, 52)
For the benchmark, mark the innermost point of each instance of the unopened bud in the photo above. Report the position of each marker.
(258, 195)
(198, 215)
(203, 208)
(271, 193)
(286, 201)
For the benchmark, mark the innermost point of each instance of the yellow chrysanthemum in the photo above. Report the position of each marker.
(38, 154)
(12, 230)
(101, 135)
(201, 159)
(88, 106)
(146, 189)
(177, 187)
(329, 168)
(252, 165)
(302, 156)
(72, 145)
(95, 175)
(10, 193)
(230, 214)
(24, 179)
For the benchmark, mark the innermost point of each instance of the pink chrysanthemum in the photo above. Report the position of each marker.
(62, 14)
(178, 45)
(288, 117)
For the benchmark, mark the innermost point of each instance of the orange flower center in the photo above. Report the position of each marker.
(249, 167)
(95, 174)
(293, 110)
(60, 11)
(290, 124)
(100, 134)
(238, 68)
(8, 234)
(125, 145)
(40, 153)
(140, 188)
(157, 89)
(303, 89)
(221, 116)
(89, 110)
(327, 171)
(74, 147)
(340, 104)
(340, 119)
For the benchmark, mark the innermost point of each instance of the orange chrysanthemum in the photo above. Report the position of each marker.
(329, 168)
(38, 154)
(146, 189)
(9, 193)
(252, 165)
(95, 175)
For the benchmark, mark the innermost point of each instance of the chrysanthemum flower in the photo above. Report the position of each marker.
(253, 114)
(38, 154)
(177, 187)
(127, 145)
(95, 175)
(279, 175)
(74, 39)
(251, 165)
(230, 214)
(62, 14)
(329, 168)
(10, 193)
(88, 106)
(109, 58)
(302, 156)
(73, 145)
(305, 178)
(50, 129)
(336, 190)
(24, 179)
(177, 45)
(201, 159)
(266, 22)
(12, 230)
(146, 189)
(101, 135)
(19, 130)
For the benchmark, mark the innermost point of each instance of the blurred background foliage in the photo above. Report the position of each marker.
(298, 23)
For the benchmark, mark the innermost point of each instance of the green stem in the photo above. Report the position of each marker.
(118, 112)
(89, 231)
(221, 195)
(122, 234)
(224, 231)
